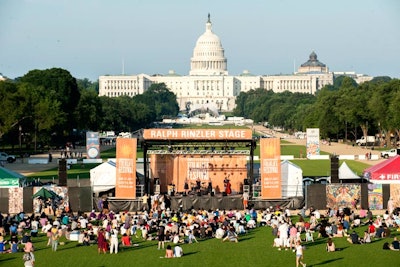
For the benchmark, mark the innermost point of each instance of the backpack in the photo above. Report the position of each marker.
(27, 256)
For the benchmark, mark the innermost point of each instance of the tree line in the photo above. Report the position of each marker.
(344, 110)
(50, 107)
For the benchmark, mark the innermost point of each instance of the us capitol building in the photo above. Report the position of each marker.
(209, 84)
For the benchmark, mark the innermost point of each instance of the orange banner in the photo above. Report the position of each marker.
(126, 168)
(190, 169)
(197, 134)
(270, 152)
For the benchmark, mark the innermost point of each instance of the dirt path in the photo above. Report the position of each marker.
(333, 148)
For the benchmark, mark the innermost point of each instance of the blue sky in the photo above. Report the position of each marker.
(91, 38)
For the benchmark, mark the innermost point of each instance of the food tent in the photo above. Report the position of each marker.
(10, 179)
(292, 180)
(386, 172)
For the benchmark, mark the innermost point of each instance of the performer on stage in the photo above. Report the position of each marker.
(198, 185)
(186, 187)
(228, 189)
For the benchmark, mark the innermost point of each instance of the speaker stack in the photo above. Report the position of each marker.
(62, 172)
(334, 169)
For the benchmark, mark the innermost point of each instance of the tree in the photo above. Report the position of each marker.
(60, 86)
(160, 99)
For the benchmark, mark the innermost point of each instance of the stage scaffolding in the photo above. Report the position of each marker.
(207, 148)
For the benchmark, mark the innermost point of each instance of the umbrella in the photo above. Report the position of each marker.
(45, 194)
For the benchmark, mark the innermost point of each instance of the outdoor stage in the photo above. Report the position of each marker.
(207, 202)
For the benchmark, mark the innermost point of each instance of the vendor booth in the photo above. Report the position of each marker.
(11, 190)
(386, 178)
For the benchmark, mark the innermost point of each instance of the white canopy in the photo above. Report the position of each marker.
(103, 177)
(292, 180)
(346, 173)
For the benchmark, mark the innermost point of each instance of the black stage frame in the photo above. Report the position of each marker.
(197, 147)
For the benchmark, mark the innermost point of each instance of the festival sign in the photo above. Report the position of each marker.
(197, 134)
(312, 146)
(271, 184)
(126, 168)
(92, 145)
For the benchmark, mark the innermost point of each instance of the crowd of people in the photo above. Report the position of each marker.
(111, 232)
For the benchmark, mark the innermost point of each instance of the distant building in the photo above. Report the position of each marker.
(209, 84)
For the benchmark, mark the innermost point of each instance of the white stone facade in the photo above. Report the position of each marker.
(208, 82)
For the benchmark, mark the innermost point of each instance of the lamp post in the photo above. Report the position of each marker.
(20, 139)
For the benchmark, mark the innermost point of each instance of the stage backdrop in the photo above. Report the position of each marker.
(271, 184)
(126, 168)
(178, 169)
(342, 195)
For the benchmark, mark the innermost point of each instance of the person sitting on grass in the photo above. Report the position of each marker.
(354, 238)
(169, 253)
(330, 246)
(125, 240)
(178, 251)
(231, 235)
(367, 237)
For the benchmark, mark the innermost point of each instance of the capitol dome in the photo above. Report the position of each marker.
(208, 54)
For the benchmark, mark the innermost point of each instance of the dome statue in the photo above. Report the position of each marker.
(208, 55)
(313, 65)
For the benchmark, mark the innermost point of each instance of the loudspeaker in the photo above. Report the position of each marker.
(62, 172)
(334, 169)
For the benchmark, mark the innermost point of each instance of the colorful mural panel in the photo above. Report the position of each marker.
(342, 195)
(375, 196)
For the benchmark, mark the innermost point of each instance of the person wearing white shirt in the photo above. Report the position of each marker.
(178, 251)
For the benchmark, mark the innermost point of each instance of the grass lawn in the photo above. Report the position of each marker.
(253, 249)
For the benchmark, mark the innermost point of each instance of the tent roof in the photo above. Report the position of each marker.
(346, 173)
(6, 173)
(385, 172)
(290, 163)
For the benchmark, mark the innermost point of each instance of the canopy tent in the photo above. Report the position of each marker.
(386, 172)
(346, 173)
(292, 180)
(9, 178)
(103, 177)
(45, 194)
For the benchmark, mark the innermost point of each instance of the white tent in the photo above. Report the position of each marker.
(103, 177)
(292, 180)
(346, 173)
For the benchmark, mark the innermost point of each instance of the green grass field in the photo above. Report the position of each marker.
(253, 249)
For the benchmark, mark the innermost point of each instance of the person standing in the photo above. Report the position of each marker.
(390, 205)
(54, 238)
(105, 206)
(245, 197)
(101, 241)
(114, 241)
(299, 254)
(161, 236)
